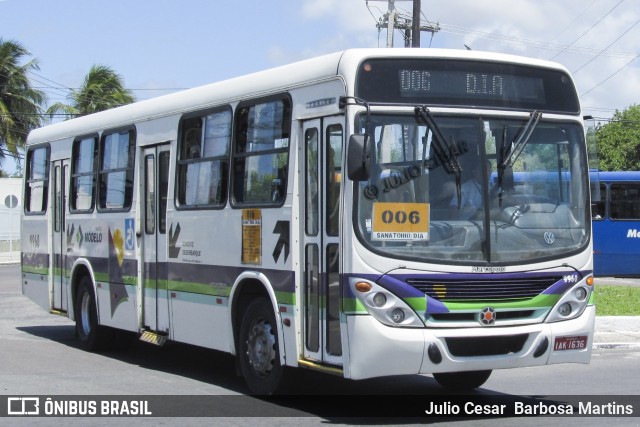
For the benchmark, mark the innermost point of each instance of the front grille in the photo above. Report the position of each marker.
(486, 346)
(485, 290)
(473, 317)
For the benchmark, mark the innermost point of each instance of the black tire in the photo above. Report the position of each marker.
(92, 336)
(462, 381)
(258, 350)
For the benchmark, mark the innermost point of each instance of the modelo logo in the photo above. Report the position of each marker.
(92, 237)
(633, 234)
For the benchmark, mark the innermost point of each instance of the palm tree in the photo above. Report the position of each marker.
(101, 90)
(20, 104)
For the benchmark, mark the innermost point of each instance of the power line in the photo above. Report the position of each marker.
(540, 44)
(15, 156)
(616, 72)
(164, 89)
(49, 80)
(19, 113)
(590, 28)
(610, 44)
(64, 93)
(576, 19)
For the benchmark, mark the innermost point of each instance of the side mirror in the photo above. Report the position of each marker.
(358, 158)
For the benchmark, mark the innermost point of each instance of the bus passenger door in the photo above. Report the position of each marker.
(154, 183)
(60, 240)
(322, 175)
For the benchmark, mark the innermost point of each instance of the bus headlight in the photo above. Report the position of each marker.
(573, 302)
(564, 309)
(379, 299)
(581, 293)
(397, 315)
(387, 308)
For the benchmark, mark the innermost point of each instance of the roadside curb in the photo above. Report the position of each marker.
(7, 258)
(616, 346)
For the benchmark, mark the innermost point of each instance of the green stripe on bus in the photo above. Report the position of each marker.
(418, 304)
(353, 306)
(541, 301)
(35, 270)
(104, 278)
(207, 289)
(288, 298)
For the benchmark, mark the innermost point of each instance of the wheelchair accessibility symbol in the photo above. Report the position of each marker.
(130, 233)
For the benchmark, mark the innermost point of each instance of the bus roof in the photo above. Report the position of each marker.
(322, 68)
(616, 176)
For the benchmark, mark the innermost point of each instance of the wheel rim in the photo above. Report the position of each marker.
(261, 345)
(85, 314)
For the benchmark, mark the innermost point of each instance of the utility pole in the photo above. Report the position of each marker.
(392, 20)
(415, 24)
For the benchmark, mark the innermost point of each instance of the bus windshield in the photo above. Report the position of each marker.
(478, 192)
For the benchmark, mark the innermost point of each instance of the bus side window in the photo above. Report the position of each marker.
(624, 201)
(116, 170)
(261, 155)
(334, 177)
(37, 180)
(598, 207)
(83, 181)
(204, 148)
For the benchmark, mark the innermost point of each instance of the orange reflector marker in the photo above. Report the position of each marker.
(589, 281)
(363, 286)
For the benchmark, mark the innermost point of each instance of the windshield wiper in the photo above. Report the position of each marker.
(520, 141)
(446, 153)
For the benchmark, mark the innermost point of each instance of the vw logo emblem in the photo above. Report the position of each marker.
(549, 238)
(487, 316)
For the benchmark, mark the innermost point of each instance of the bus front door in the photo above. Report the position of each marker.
(323, 142)
(62, 238)
(154, 183)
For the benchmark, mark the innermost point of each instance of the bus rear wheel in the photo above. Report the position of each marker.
(462, 381)
(92, 336)
(258, 351)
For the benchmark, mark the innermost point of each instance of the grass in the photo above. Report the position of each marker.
(617, 300)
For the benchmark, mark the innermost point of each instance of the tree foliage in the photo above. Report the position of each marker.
(20, 103)
(619, 141)
(101, 90)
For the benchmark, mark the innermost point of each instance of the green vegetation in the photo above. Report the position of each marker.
(101, 90)
(20, 103)
(619, 141)
(617, 300)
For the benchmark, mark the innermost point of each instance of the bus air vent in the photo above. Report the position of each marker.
(487, 290)
(486, 346)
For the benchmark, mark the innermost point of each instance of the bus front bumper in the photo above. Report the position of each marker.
(377, 350)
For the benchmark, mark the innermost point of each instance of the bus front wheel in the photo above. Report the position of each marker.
(462, 381)
(258, 349)
(92, 336)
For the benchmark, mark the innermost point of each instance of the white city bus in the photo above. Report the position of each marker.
(353, 213)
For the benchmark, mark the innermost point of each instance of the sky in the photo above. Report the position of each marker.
(160, 46)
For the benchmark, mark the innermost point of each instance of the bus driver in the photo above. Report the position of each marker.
(471, 193)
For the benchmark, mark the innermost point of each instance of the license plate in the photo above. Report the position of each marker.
(570, 343)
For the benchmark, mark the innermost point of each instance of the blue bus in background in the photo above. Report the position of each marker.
(616, 224)
(615, 212)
